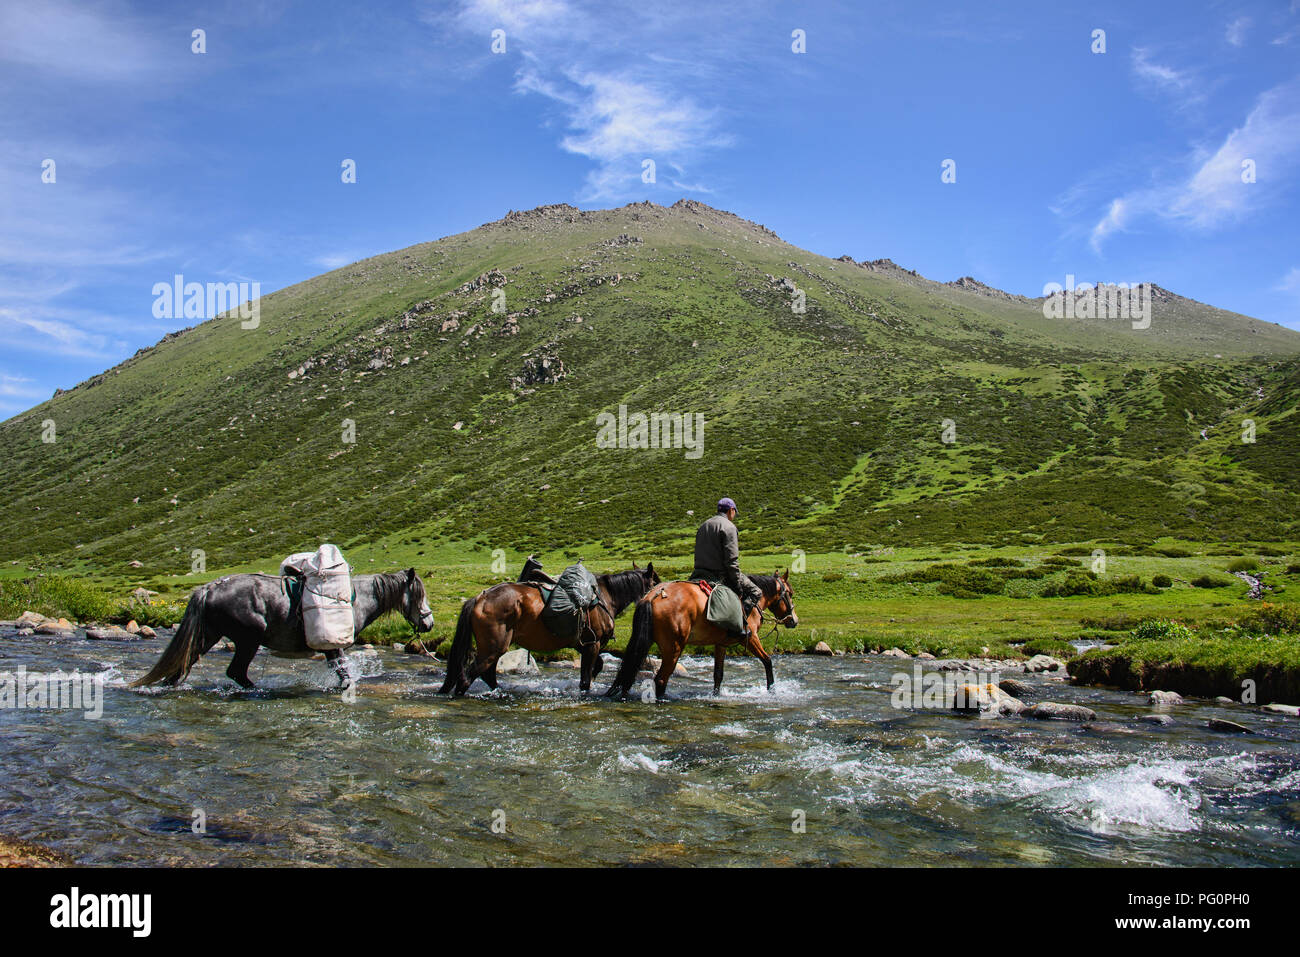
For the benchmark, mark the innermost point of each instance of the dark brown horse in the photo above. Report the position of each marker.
(671, 616)
(511, 613)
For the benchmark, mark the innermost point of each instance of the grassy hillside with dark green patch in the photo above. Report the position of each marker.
(475, 426)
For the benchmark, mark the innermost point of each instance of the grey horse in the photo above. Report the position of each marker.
(253, 610)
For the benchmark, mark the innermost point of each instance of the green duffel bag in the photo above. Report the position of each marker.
(575, 591)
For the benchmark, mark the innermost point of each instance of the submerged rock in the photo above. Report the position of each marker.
(1050, 710)
(1293, 710)
(1219, 724)
(1156, 718)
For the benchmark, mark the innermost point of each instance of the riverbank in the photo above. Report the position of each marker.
(1005, 604)
(15, 852)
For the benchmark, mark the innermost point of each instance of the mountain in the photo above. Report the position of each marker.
(828, 425)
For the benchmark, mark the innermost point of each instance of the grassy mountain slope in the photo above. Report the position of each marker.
(825, 425)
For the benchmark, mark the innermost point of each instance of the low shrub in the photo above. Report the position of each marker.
(1155, 629)
(1212, 581)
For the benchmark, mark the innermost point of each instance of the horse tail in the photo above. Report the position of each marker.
(638, 647)
(459, 647)
(183, 651)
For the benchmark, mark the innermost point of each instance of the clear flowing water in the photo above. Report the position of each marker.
(536, 773)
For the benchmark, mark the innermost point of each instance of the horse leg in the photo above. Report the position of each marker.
(756, 648)
(666, 667)
(336, 661)
(490, 645)
(719, 656)
(589, 657)
(245, 649)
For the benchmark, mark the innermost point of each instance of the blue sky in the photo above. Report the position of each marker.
(1115, 166)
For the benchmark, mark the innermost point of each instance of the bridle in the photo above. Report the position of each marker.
(782, 594)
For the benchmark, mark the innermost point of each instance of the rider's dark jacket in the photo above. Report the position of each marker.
(717, 557)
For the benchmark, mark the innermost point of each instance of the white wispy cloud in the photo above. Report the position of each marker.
(103, 43)
(622, 96)
(1181, 86)
(1236, 34)
(1290, 282)
(1212, 194)
(335, 260)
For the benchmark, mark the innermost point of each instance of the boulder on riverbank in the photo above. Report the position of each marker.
(1290, 710)
(1039, 663)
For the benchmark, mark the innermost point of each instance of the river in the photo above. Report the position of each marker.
(821, 770)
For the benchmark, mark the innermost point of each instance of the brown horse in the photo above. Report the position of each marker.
(511, 613)
(672, 616)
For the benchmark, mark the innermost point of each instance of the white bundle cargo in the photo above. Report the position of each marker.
(326, 596)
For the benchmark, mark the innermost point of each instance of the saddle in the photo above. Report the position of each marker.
(568, 600)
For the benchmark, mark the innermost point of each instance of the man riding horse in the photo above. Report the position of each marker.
(717, 559)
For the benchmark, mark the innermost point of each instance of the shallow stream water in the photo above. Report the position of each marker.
(536, 773)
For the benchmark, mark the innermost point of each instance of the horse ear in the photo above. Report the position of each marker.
(410, 574)
(786, 576)
(634, 564)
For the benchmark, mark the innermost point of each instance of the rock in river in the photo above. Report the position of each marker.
(1060, 712)
(1165, 699)
(109, 633)
(1016, 687)
(517, 662)
(987, 698)
(1218, 724)
(1044, 663)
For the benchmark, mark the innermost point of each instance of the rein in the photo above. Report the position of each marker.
(763, 616)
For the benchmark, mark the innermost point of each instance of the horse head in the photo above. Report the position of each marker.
(783, 604)
(415, 605)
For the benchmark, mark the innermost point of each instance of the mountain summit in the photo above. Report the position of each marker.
(456, 391)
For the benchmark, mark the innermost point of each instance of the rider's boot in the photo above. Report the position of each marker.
(747, 605)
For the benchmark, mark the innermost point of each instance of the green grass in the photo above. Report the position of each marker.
(57, 596)
(825, 425)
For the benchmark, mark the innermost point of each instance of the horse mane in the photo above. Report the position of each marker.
(389, 587)
(624, 587)
(766, 584)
